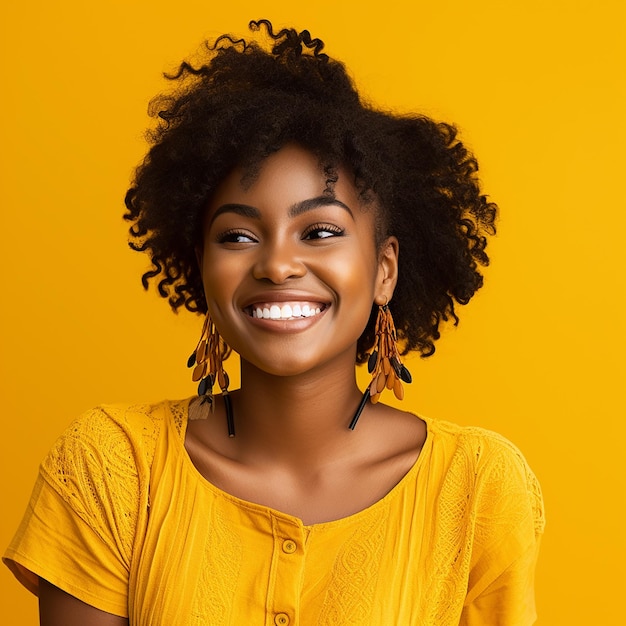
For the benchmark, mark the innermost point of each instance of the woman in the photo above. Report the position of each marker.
(303, 224)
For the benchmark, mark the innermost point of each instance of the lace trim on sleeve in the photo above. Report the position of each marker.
(93, 467)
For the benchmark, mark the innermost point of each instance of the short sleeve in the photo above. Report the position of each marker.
(508, 528)
(79, 527)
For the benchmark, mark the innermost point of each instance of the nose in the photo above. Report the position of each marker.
(278, 262)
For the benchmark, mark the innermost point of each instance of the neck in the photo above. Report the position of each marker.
(295, 419)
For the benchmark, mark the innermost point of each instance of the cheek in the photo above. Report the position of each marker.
(219, 277)
(352, 275)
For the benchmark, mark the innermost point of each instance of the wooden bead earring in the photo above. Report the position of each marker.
(207, 358)
(384, 363)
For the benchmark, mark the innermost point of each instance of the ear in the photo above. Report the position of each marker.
(387, 276)
(199, 256)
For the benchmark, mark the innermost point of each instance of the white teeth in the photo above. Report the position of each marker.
(274, 312)
(284, 312)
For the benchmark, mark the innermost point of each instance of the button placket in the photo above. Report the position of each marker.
(287, 571)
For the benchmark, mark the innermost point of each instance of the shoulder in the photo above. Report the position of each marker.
(116, 441)
(485, 447)
(490, 465)
(137, 424)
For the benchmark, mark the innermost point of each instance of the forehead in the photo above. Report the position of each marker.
(288, 176)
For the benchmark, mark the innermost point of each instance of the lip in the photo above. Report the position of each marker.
(285, 296)
(262, 299)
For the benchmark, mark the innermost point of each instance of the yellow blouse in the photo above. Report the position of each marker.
(121, 518)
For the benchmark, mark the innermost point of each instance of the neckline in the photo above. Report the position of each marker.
(199, 479)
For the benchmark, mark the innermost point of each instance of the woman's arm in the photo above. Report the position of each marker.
(58, 608)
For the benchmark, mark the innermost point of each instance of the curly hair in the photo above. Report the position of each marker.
(245, 100)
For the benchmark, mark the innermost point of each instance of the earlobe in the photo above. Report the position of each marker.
(387, 270)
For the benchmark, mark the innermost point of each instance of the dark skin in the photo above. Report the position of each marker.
(283, 240)
(293, 450)
(57, 608)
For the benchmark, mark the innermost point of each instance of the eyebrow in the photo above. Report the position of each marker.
(296, 209)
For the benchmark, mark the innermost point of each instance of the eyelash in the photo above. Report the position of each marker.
(230, 236)
(328, 228)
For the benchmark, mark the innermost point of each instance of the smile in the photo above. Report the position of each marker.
(285, 310)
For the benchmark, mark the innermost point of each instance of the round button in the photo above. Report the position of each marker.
(289, 546)
(281, 619)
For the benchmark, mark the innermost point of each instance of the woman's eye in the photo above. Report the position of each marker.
(235, 236)
(322, 231)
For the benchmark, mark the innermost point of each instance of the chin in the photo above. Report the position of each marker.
(283, 368)
(289, 364)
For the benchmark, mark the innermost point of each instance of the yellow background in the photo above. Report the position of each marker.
(537, 88)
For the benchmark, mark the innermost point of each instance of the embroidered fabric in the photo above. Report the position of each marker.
(453, 542)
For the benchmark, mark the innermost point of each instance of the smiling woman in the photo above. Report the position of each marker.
(313, 233)
(284, 241)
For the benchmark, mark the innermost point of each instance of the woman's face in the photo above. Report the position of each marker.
(291, 270)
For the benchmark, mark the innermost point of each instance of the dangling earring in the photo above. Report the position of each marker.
(384, 363)
(207, 358)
